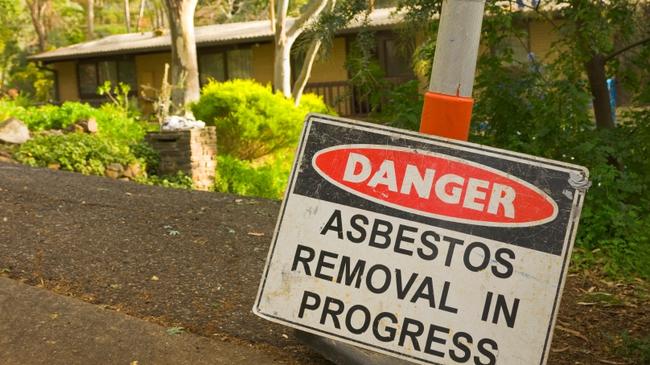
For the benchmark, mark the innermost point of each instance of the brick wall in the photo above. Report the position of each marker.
(193, 151)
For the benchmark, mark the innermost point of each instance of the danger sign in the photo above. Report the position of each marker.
(431, 250)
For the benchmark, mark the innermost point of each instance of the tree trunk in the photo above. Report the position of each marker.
(305, 72)
(90, 19)
(38, 10)
(138, 25)
(285, 37)
(185, 71)
(598, 84)
(283, 43)
(127, 16)
(282, 67)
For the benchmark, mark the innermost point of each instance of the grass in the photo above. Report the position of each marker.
(635, 349)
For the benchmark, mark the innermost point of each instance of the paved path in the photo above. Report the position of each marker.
(170, 257)
(40, 327)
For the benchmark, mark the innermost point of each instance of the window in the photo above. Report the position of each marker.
(228, 64)
(212, 66)
(395, 56)
(93, 74)
(239, 64)
(396, 62)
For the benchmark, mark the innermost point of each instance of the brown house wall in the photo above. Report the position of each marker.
(150, 69)
(67, 80)
(542, 37)
(332, 67)
(263, 63)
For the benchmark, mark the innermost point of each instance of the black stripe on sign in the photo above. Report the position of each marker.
(550, 178)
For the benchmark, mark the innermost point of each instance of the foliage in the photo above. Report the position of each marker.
(178, 181)
(67, 21)
(12, 40)
(544, 109)
(402, 106)
(118, 95)
(267, 179)
(111, 120)
(366, 75)
(84, 153)
(636, 349)
(252, 120)
(32, 82)
(145, 153)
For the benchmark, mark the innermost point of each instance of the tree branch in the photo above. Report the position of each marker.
(305, 72)
(626, 48)
(312, 10)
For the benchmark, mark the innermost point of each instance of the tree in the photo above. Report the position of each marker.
(185, 70)
(138, 24)
(90, 19)
(127, 16)
(318, 22)
(595, 36)
(39, 10)
(596, 31)
(286, 35)
(9, 38)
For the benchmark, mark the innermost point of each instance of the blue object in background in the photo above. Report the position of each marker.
(611, 87)
(522, 3)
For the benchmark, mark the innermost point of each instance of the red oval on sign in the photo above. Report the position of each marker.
(435, 185)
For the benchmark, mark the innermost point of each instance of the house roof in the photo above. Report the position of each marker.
(209, 35)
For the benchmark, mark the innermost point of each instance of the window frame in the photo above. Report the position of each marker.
(382, 54)
(96, 61)
(224, 51)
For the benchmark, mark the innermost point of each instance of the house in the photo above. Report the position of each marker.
(238, 50)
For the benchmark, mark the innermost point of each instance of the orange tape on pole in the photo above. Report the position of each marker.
(446, 116)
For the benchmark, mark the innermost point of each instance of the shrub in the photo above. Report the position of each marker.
(526, 111)
(87, 154)
(252, 120)
(9, 108)
(145, 153)
(402, 106)
(113, 123)
(178, 181)
(267, 179)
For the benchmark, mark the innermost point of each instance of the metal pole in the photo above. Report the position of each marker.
(448, 103)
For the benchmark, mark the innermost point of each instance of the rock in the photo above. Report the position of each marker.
(114, 171)
(84, 126)
(14, 131)
(6, 158)
(89, 125)
(133, 170)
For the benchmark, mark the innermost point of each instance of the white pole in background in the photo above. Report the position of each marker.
(459, 33)
(448, 104)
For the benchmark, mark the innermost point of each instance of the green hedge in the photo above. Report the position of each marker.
(266, 179)
(252, 121)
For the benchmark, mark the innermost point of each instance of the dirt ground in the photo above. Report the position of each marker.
(193, 259)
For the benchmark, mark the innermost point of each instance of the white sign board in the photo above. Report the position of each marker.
(431, 250)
